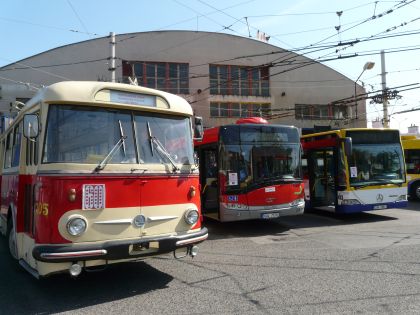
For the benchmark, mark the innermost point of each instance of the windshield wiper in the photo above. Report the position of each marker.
(149, 132)
(122, 136)
(160, 148)
(164, 153)
(121, 142)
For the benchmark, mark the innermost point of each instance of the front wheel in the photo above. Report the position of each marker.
(11, 238)
(416, 191)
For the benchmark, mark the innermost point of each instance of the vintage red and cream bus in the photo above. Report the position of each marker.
(250, 170)
(95, 173)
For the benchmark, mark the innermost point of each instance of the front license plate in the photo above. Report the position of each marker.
(379, 207)
(270, 215)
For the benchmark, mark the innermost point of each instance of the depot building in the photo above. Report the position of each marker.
(224, 77)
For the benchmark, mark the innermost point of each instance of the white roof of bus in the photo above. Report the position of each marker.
(83, 92)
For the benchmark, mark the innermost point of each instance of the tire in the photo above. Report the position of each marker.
(415, 191)
(11, 239)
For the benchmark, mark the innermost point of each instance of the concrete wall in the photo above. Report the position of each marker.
(312, 84)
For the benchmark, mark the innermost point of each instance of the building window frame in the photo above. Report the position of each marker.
(239, 80)
(170, 77)
(239, 109)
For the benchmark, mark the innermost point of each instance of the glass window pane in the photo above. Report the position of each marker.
(214, 109)
(138, 69)
(173, 70)
(213, 72)
(150, 70)
(235, 110)
(160, 70)
(244, 110)
(151, 83)
(214, 87)
(184, 86)
(183, 71)
(224, 110)
(78, 134)
(172, 136)
(161, 84)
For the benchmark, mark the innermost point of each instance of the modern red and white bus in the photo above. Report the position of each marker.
(95, 173)
(250, 170)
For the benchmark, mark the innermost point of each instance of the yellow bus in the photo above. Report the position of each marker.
(354, 170)
(95, 173)
(411, 145)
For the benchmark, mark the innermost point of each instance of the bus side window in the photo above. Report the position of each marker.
(32, 151)
(8, 150)
(17, 135)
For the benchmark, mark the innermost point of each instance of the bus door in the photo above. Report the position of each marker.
(321, 169)
(209, 181)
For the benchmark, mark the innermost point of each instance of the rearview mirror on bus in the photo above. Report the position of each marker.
(348, 146)
(30, 126)
(198, 128)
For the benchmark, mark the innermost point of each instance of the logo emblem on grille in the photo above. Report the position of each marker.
(379, 197)
(139, 220)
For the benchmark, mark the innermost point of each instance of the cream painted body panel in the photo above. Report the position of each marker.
(160, 220)
(373, 196)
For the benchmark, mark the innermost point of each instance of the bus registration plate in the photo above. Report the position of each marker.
(270, 215)
(379, 207)
(93, 197)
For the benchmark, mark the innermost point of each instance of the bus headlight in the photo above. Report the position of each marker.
(402, 198)
(297, 202)
(191, 216)
(76, 226)
(349, 202)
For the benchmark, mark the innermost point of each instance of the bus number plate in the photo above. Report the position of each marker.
(379, 207)
(93, 196)
(270, 215)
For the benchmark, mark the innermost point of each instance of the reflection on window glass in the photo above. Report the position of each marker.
(77, 134)
(173, 134)
(273, 162)
(86, 135)
(374, 164)
(252, 164)
(412, 160)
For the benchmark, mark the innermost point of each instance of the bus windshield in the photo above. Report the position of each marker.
(259, 155)
(376, 164)
(79, 134)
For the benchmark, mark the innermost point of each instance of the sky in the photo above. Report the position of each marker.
(343, 35)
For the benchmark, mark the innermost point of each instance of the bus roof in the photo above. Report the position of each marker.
(410, 142)
(112, 94)
(211, 135)
(342, 132)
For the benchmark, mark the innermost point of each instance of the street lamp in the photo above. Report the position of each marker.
(368, 65)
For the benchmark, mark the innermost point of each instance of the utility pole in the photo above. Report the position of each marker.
(112, 57)
(384, 91)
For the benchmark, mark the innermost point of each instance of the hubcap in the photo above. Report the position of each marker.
(417, 192)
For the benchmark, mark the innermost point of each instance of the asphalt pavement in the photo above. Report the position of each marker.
(316, 263)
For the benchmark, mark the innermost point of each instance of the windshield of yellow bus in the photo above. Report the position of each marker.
(82, 134)
(376, 159)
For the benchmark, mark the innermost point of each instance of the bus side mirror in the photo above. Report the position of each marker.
(348, 146)
(198, 128)
(30, 126)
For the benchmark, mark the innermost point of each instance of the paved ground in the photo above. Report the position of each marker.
(311, 264)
